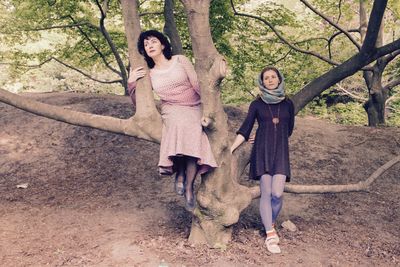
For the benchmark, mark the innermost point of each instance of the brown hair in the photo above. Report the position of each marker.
(273, 69)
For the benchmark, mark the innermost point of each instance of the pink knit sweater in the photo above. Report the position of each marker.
(177, 85)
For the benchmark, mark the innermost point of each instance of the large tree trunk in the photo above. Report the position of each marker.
(146, 110)
(170, 27)
(220, 198)
(375, 106)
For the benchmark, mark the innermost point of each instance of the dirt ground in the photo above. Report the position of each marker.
(94, 198)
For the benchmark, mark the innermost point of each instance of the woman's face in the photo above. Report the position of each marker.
(270, 80)
(153, 46)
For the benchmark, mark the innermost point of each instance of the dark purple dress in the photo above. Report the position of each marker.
(270, 152)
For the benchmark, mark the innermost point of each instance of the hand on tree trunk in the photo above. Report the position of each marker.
(136, 74)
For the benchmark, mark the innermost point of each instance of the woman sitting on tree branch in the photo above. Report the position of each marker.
(269, 160)
(185, 148)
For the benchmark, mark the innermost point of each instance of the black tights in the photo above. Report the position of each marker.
(186, 172)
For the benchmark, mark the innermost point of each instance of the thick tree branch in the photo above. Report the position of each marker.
(348, 68)
(321, 189)
(210, 65)
(170, 28)
(393, 83)
(375, 20)
(332, 23)
(134, 126)
(145, 105)
(283, 39)
(388, 58)
(354, 96)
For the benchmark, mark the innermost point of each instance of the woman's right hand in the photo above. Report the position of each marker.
(238, 141)
(136, 74)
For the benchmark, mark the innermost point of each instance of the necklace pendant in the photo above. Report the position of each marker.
(275, 121)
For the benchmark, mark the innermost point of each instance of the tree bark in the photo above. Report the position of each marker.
(132, 126)
(375, 105)
(220, 198)
(375, 108)
(170, 28)
(146, 110)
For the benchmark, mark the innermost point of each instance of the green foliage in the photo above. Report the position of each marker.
(28, 22)
(152, 20)
(351, 113)
(221, 20)
(393, 118)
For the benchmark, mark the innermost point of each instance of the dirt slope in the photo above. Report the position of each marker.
(95, 198)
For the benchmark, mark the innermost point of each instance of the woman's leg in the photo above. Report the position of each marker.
(265, 201)
(180, 175)
(278, 185)
(272, 239)
(180, 169)
(191, 173)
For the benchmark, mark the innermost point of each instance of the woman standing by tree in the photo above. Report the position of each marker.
(185, 148)
(269, 160)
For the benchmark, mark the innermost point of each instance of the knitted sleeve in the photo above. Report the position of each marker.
(190, 72)
(131, 91)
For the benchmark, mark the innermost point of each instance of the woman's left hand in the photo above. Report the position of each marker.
(252, 138)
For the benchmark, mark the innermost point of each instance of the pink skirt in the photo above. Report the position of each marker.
(183, 135)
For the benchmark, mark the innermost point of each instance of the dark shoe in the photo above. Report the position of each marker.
(179, 188)
(190, 204)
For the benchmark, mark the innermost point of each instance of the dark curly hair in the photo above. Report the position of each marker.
(167, 51)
